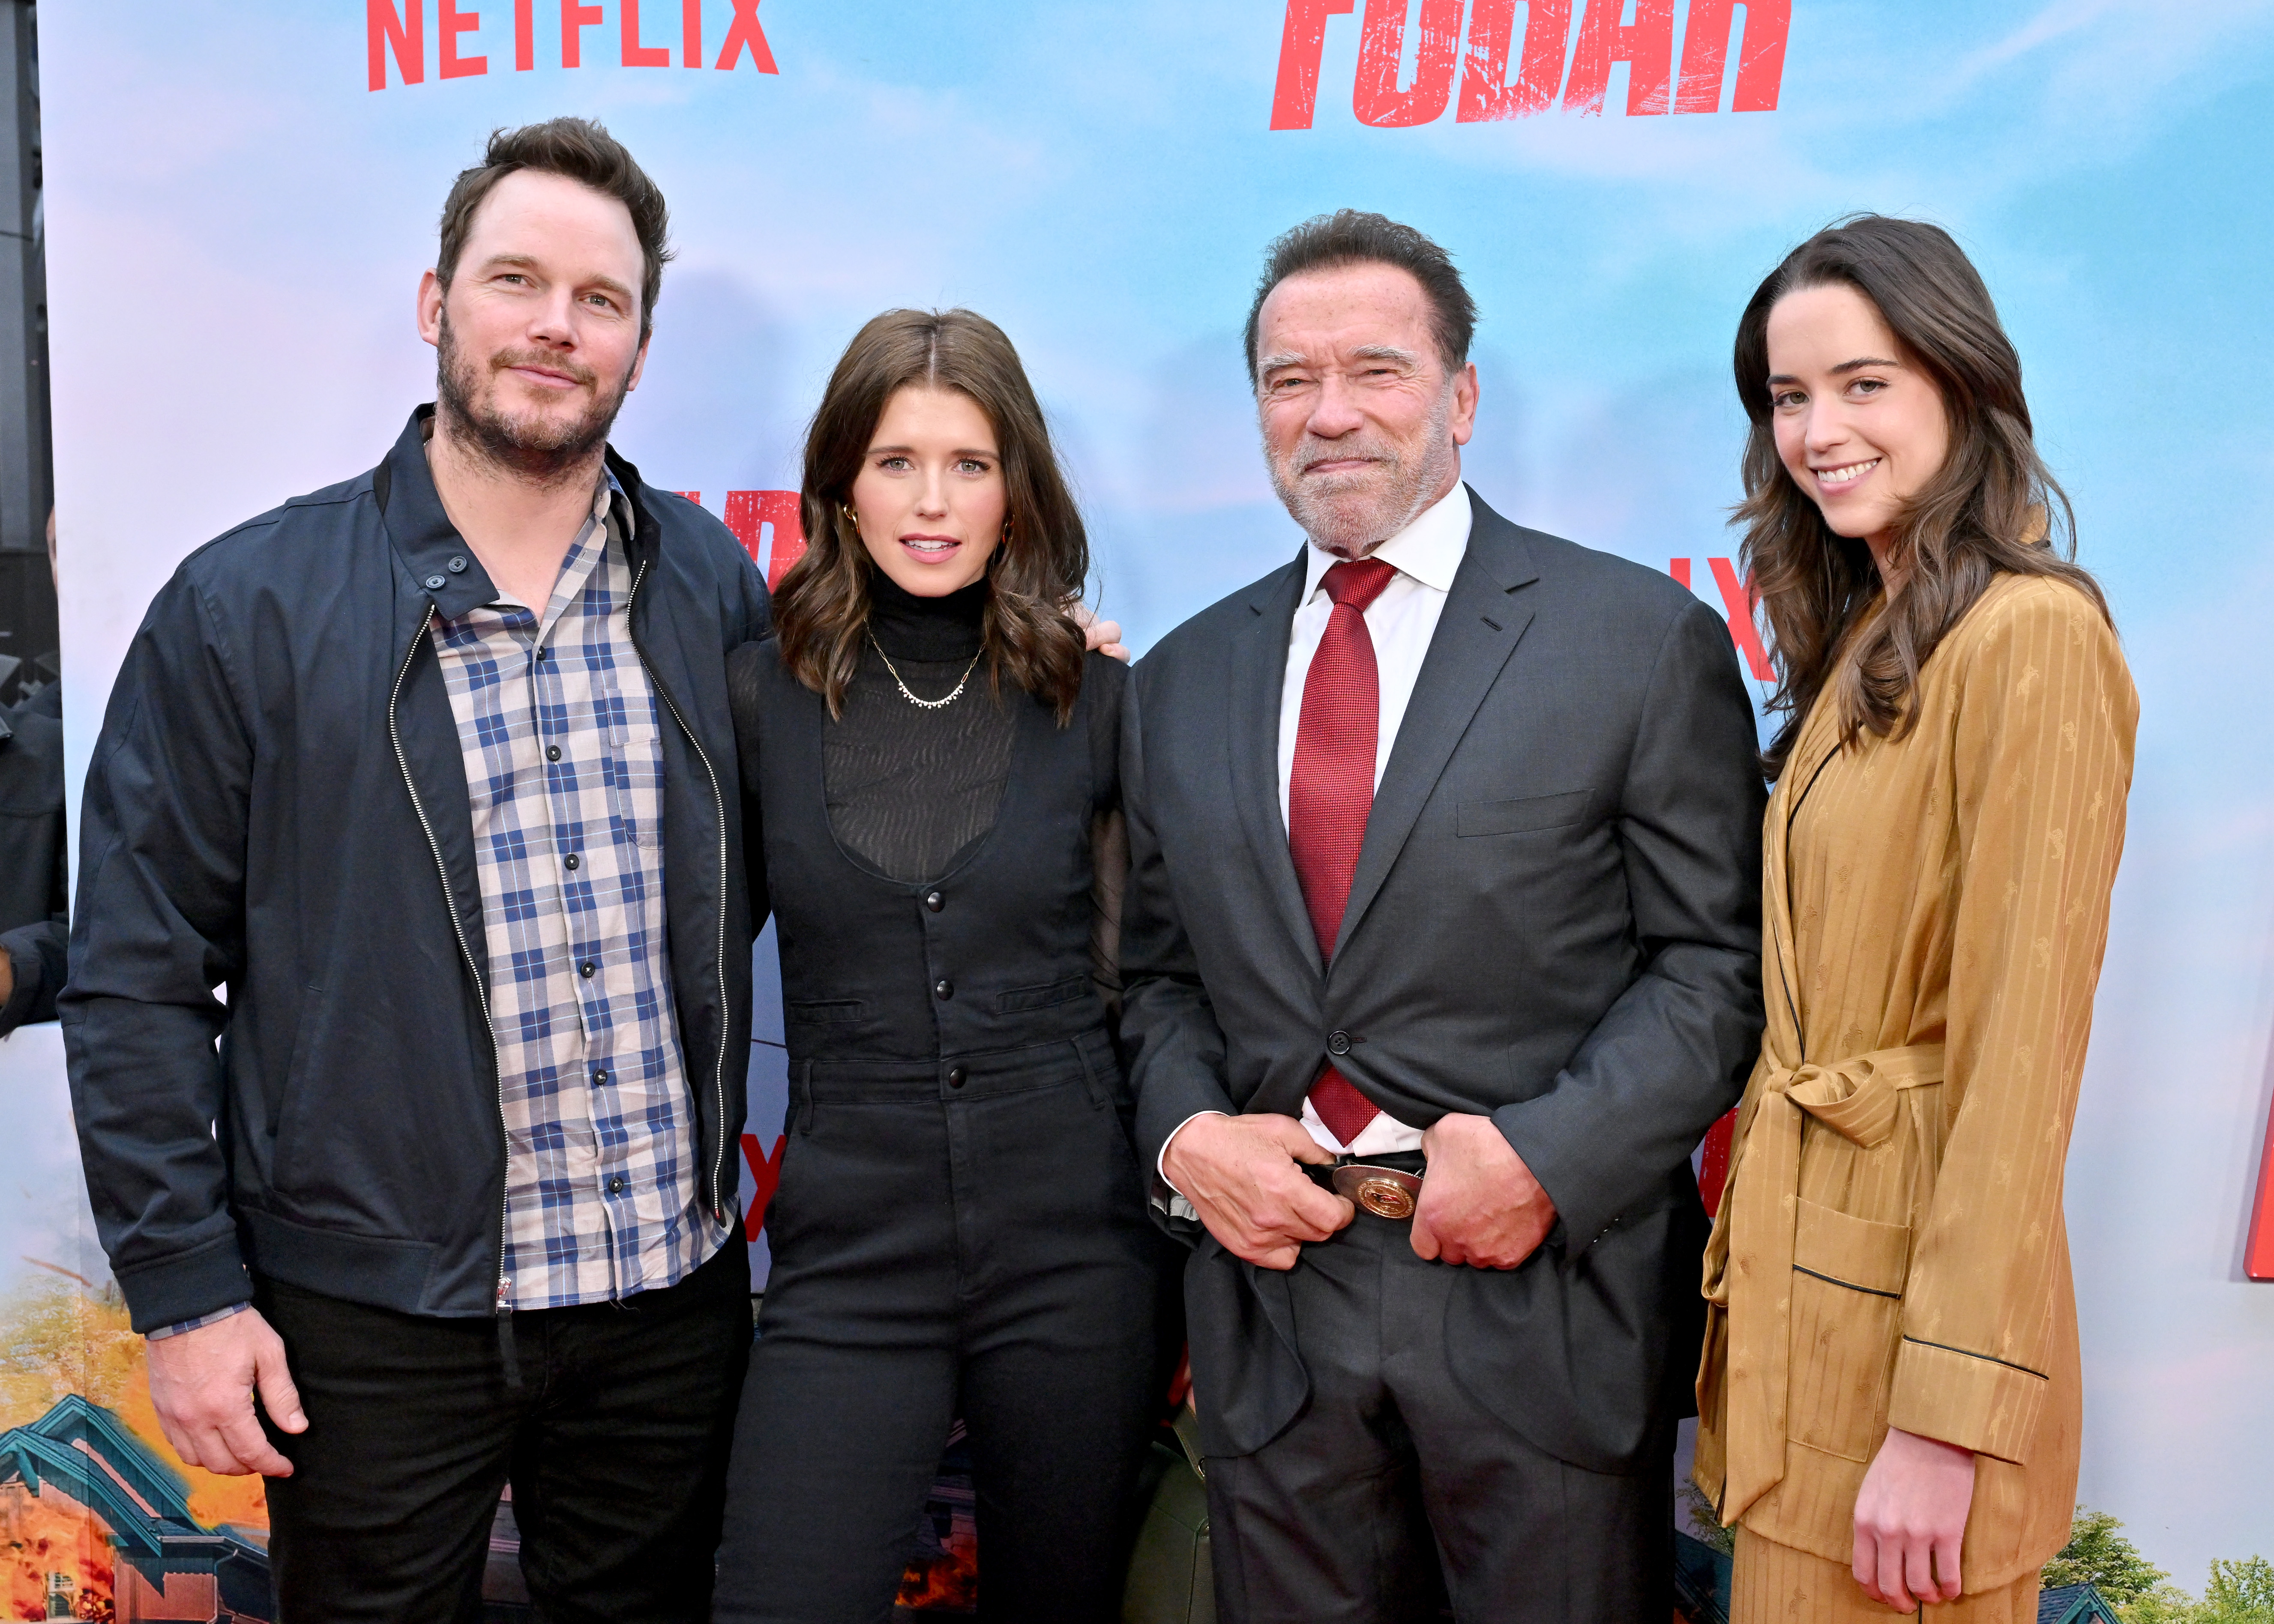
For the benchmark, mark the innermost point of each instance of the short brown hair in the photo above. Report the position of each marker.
(821, 611)
(1354, 236)
(581, 150)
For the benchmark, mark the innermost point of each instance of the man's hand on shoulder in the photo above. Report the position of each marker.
(1102, 636)
(202, 1383)
(1480, 1204)
(1240, 1175)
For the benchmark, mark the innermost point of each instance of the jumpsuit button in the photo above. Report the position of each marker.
(934, 901)
(957, 1077)
(943, 988)
(1339, 1044)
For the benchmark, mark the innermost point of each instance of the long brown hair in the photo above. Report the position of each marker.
(1036, 574)
(1993, 507)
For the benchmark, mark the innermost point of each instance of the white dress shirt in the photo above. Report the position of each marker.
(1401, 622)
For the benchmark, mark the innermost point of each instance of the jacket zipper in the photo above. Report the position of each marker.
(465, 950)
(719, 800)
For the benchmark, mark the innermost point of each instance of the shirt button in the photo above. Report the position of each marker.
(600, 1074)
(434, 583)
(553, 752)
(457, 566)
(934, 901)
(957, 1077)
(1338, 1042)
(573, 859)
(943, 988)
(587, 969)
(541, 653)
(616, 1184)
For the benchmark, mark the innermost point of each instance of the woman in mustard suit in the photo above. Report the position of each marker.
(1890, 1392)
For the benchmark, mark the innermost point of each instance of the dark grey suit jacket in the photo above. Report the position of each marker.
(1556, 922)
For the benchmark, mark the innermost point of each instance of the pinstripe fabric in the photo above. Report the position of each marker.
(1936, 907)
(600, 1186)
(1775, 1585)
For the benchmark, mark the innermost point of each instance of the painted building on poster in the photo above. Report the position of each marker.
(94, 1526)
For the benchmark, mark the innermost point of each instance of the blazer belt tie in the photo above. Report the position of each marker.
(1857, 1099)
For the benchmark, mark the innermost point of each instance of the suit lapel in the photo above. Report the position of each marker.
(1476, 631)
(1258, 675)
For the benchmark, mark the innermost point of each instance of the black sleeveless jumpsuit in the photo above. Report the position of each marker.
(960, 1228)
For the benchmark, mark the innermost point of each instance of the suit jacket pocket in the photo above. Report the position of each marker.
(819, 1011)
(1511, 817)
(1042, 997)
(1848, 1275)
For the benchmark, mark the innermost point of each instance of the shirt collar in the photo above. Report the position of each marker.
(1429, 549)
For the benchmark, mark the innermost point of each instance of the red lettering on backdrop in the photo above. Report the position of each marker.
(574, 19)
(743, 31)
(406, 32)
(1713, 1165)
(524, 36)
(451, 22)
(1302, 41)
(690, 34)
(1760, 57)
(2258, 1262)
(1378, 100)
(1485, 93)
(1645, 45)
(636, 55)
(1738, 597)
(748, 513)
(1679, 569)
(766, 1172)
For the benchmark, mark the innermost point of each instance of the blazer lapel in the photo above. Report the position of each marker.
(1476, 631)
(1259, 676)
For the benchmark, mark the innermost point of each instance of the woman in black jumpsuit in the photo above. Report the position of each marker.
(960, 1228)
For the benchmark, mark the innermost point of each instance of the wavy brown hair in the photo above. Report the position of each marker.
(1035, 574)
(1993, 508)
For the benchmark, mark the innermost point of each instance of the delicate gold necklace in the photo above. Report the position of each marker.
(923, 704)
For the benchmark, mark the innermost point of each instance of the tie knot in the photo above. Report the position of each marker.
(1357, 583)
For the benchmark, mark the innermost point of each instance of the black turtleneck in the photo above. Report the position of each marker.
(909, 788)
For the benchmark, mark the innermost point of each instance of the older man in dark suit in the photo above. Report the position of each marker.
(1441, 951)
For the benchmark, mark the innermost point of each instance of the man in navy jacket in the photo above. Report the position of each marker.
(433, 771)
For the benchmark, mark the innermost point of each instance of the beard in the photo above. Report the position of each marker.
(536, 449)
(1350, 515)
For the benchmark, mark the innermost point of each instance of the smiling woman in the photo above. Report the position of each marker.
(1890, 1377)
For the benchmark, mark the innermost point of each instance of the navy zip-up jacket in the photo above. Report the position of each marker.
(278, 805)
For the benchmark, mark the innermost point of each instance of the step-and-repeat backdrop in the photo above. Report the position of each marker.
(241, 198)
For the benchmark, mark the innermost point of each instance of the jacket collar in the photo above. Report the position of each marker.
(429, 545)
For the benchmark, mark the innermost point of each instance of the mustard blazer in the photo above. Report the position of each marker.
(1890, 1249)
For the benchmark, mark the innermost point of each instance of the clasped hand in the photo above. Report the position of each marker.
(1480, 1204)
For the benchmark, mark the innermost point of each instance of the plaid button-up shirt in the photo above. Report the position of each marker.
(562, 737)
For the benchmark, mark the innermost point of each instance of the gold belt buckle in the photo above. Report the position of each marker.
(1384, 1192)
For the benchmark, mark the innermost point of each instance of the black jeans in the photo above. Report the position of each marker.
(614, 1442)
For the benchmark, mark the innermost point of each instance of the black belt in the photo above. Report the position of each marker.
(1388, 1186)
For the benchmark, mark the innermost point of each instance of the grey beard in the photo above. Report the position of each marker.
(541, 456)
(1413, 487)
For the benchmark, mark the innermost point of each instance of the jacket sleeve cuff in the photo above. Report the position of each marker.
(33, 998)
(1970, 1399)
(186, 1286)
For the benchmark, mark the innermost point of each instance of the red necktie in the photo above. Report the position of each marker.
(1330, 791)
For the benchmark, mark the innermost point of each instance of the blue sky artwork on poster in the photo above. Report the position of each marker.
(237, 222)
